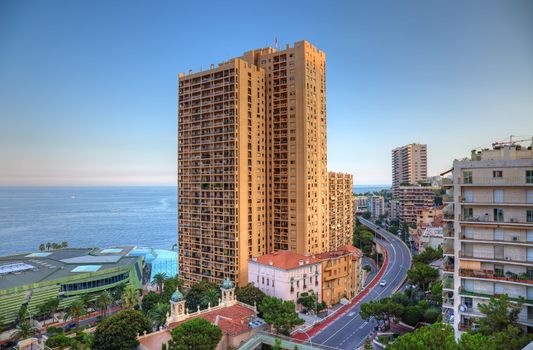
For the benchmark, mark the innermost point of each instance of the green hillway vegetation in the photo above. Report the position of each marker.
(138, 315)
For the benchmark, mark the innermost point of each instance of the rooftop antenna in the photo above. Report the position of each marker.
(276, 44)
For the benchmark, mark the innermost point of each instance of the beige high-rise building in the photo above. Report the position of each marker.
(413, 198)
(341, 212)
(297, 146)
(409, 165)
(252, 161)
(488, 233)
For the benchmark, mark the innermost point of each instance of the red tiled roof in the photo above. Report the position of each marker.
(232, 320)
(286, 260)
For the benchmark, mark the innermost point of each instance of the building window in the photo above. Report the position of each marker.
(529, 176)
(530, 215)
(467, 177)
(497, 174)
(498, 214)
(498, 270)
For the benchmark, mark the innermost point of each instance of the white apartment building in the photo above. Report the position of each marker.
(488, 233)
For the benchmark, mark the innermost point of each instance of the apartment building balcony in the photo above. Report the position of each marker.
(474, 294)
(448, 248)
(447, 182)
(447, 303)
(508, 259)
(488, 274)
(516, 240)
(517, 181)
(447, 283)
(447, 267)
(491, 220)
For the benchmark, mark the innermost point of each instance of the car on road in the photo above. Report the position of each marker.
(383, 283)
(69, 327)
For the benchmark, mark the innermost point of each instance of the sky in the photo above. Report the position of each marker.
(88, 89)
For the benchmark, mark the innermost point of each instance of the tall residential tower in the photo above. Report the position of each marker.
(409, 165)
(252, 161)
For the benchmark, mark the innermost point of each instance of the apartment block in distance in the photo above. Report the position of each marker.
(409, 165)
(489, 233)
(341, 213)
(361, 204)
(252, 161)
(412, 199)
(376, 206)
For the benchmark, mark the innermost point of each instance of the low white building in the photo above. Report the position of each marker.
(431, 237)
(286, 275)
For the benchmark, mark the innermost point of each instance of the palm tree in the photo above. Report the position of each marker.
(159, 280)
(118, 291)
(48, 245)
(24, 330)
(211, 297)
(104, 300)
(64, 244)
(130, 297)
(42, 247)
(75, 311)
(158, 314)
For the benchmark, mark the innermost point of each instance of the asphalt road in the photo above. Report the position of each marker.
(350, 330)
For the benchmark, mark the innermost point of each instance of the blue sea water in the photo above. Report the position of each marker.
(87, 217)
(360, 189)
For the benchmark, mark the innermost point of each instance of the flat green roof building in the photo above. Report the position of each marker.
(67, 274)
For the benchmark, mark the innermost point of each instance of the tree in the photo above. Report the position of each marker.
(428, 255)
(42, 247)
(413, 314)
(103, 301)
(24, 330)
(422, 275)
(48, 245)
(159, 280)
(48, 308)
(309, 301)
(438, 336)
(432, 314)
(210, 298)
(64, 244)
(158, 314)
(367, 268)
(195, 334)
(511, 338)
(130, 297)
(366, 215)
(149, 301)
(60, 341)
(368, 344)
(382, 310)
(476, 341)
(119, 331)
(117, 292)
(499, 314)
(195, 295)
(249, 294)
(436, 293)
(280, 314)
(277, 344)
(75, 311)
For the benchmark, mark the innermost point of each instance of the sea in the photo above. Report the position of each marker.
(360, 189)
(93, 216)
(87, 217)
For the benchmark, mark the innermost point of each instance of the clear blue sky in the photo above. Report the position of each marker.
(88, 88)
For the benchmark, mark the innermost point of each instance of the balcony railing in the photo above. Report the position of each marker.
(491, 220)
(495, 181)
(447, 283)
(488, 274)
(504, 258)
(484, 295)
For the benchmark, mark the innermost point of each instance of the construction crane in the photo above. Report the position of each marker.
(511, 142)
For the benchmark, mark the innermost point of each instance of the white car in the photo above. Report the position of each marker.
(383, 283)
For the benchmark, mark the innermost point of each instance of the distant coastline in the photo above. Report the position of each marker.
(360, 189)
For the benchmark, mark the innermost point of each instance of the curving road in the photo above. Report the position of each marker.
(350, 330)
